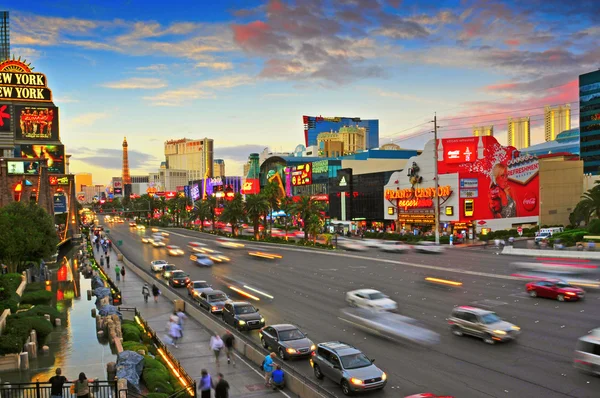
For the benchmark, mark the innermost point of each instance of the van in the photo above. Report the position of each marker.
(587, 353)
(551, 231)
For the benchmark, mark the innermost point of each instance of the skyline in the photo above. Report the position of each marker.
(154, 74)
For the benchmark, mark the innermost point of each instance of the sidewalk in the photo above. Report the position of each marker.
(194, 352)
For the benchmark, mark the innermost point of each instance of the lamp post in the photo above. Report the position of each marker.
(435, 178)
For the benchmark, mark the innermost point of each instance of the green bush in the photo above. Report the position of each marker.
(594, 226)
(160, 386)
(11, 303)
(157, 380)
(35, 286)
(10, 344)
(131, 332)
(152, 349)
(37, 297)
(13, 280)
(41, 310)
(134, 346)
(157, 395)
(151, 363)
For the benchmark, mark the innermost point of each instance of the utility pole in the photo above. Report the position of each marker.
(435, 178)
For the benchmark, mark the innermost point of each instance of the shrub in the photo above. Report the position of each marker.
(11, 303)
(157, 395)
(594, 226)
(131, 333)
(151, 363)
(10, 344)
(35, 286)
(13, 280)
(41, 310)
(157, 380)
(134, 346)
(160, 386)
(152, 349)
(37, 297)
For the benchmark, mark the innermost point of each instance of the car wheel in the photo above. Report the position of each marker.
(264, 343)
(318, 373)
(456, 331)
(346, 388)
(532, 293)
(560, 297)
(487, 339)
(282, 354)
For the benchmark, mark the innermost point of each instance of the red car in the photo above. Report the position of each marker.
(428, 395)
(555, 289)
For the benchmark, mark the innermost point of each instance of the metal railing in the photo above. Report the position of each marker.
(99, 389)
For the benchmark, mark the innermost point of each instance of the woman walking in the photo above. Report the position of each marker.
(123, 272)
(205, 384)
(155, 292)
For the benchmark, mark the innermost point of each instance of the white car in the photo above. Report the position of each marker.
(428, 247)
(373, 243)
(352, 245)
(230, 243)
(157, 265)
(371, 299)
(395, 247)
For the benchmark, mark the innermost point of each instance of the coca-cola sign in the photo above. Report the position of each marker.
(529, 201)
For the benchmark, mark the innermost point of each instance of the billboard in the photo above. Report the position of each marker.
(55, 155)
(16, 167)
(6, 116)
(60, 204)
(37, 123)
(302, 175)
(195, 192)
(19, 83)
(314, 125)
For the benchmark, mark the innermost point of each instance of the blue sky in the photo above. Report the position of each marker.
(244, 72)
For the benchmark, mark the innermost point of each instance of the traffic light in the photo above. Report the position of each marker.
(17, 191)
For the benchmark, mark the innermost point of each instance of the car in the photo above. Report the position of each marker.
(140, 227)
(372, 243)
(147, 239)
(213, 301)
(394, 247)
(230, 243)
(428, 395)
(428, 247)
(179, 278)
(158, 243)
(372, 299)
(287, 341)
(175, 251)
(201, 259)
(121, 221)
(197, 287)
(587, 353)
(195, 247)
(167, 270)
(218, 257)
(555, 289)
(352, 245)
(242, 315)
(481, 323)
(132, 224)
(157, 265)
(346, 365)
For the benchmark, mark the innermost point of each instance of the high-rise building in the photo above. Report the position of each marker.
(353, 139)
(4, 36)
(479, 131)
(91, 191)
(589, 121)
(194, 156)
(219, 168)
(82, 179)
(246, 169)
(556, 120)
(519, 132)
(125, 175)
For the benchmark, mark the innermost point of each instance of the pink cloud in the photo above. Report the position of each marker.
(500, 87)
(275, 6)
(258, 36)
(512, 42)
(252, 31)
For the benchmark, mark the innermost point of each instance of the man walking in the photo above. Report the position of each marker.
(107, 261)
(118, 272)
(222, 388)
(58, 381)
(229, 342)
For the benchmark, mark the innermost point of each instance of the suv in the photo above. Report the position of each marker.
(587, 353)
(347, 366)
(242, 315)
(481, 323)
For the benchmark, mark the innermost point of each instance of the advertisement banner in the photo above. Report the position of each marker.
(6, 116)
(251, 186)
(315, 125)
(468, 193)
(186, 191)
(195, 192)
(302, 175)
(37, 123)
(118, 191)
(60, 204)
(54, 154)
(16, 167)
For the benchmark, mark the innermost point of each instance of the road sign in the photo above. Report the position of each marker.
(520, 231)
(119, 243)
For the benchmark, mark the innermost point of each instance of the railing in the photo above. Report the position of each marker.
(99, 388)
(188, 382)
(117, 298)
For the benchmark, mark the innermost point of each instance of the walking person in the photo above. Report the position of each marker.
(216, 345)
(57, 381)
(229, 342)
(205, 384)
(82, 387)
(109, 245)
(222, 387)
(268, 366)
(118, 272)
(123, 272)
(107, 261)
(155, 292)
(181, 318)
(102, 261)
(174, 333)
(145, 292)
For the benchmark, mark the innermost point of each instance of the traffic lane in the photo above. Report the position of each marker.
(287, 320)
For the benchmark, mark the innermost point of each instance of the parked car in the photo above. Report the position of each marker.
(167, 270)
(213, 301)
(348, 366)
(372, 299)
(201, 259)
(242, 315)
(481, 323)
(555, 289)
(157, 265)
(287, 340)
(196, 287)
(179, 278)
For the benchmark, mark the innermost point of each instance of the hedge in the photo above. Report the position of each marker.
(134, 346)
(10, 344)
(17, 331)
(37, 297)
(35, 286)
(569, 238)
(41, 310)
(151, 363)
(9, 299)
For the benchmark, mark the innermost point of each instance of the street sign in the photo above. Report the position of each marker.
(520, 231)
(119, 243)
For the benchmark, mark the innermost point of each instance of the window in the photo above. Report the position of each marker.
(218, 297)
(469, 317)
(244, 309)
(589, 348)
(490, 318)
(323, 353)
(292, 334)
(377, 296)
(355, 361)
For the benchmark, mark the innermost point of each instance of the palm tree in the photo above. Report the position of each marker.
(201, 212)
(288, 206)
(315, 225)
(588, 206)
(256, 206)
(211, 202)
(307, 207)
(272, 194)
(233, 212)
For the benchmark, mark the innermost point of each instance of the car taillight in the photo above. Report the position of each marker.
(314, 353)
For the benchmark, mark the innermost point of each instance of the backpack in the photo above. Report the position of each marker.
(262, 365)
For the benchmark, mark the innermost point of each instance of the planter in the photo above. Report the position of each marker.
(10, 362)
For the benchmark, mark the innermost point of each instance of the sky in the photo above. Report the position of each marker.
(244, 72)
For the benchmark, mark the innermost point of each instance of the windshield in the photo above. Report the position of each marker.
(179, 275)
(355, 361)
(169, 267)
(217, 297)
(200, 285)
(160, 262)
(490, 318)
(292, 334)
(245, 309)
(563, 285)
(377, 296)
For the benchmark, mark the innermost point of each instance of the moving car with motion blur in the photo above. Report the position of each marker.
(196, 287)
(230, 243)
(202, 260)
(348, 366)
(158, 243)
(132, 224)
(587, 353)
(481, 323)
(555, 289)
(213, 300)
(147, 239)
(157, 265)
(428, 247)
(167, 270)
(140, 227)
(394, 247)
(218, 257)
(287, 341)
(351, 245)
(242, 315)
(370, 298)
(179, 278)
(195, 247)
(175, 251)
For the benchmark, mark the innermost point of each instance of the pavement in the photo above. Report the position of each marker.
(193, 350)
(308, 288)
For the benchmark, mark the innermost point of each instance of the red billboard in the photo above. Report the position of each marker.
(250, 186)
(302, 175)
(37, 123)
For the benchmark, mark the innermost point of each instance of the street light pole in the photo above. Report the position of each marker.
(435, 178)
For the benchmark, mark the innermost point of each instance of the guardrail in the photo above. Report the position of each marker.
(117, 298)
(295, 381)
(173, 363)
(99, 388)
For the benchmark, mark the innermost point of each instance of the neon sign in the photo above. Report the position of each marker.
(417, 193)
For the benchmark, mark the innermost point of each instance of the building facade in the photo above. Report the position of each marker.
(315, 125)
(556, 120)
(193, 156)
(82, 179)
(561, 187)
(519, 132)
(483, 131)
(353, 139)
(219, 168)
(566, 142)
(589, 121)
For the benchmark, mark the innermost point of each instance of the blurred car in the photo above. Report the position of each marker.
(158, 243)
(557, 266)
(195, 246)
(287, 341)
(154, 229)
(132, 224)
(213, 301)
(157, 265)
(268, 256)
(372, 243)
(347, 366)
(352, 245)
(147, 239)
(218, 257)
(197, 287)
(428, 247)
(175, 251)
(167, 270)
(587, 353)
(201, 259)
(428, 395)
(230, 243)
(372, 299)
(179, 278)
(242, 315)
(394, 247)
(481, 323)
(140, 227)
(555, 289)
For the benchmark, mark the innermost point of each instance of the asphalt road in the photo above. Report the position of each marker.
(308, 287)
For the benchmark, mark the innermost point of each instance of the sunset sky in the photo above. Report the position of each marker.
(244, 72)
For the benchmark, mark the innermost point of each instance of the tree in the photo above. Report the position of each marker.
(233, 212)
(272, 194)
(315, 225)
(211, 202)
(27, 233)
(588, 206)
(287, 205)
(201, 212)
(307, 207)
(256, 206)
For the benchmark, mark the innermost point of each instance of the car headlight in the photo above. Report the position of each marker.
(313, 347)
(500, 332)
(356, 382)
(515, 328)
(213, 308)
(241, 322)
(384, 376)
(262, 320)
(291, 351)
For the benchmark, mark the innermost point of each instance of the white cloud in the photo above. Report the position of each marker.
(215, 65)
(143, 83)
(87, 119)
(229, 81)
(154, 68)
(178, 96)
(26, 53)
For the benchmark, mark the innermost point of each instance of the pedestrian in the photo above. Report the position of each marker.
(145, 292)
(101, 260)
(107, 261)
(181, 318)
(155, 292)
(222, 387)
(110, 245)
(123, 272)
(57, 381)
(216, 345)
(205, 384)
(97, 246)
(106, 250)
(118, 272)
(277, 378)
(82, 387)
(229, 342)
(174, 333)
(268, 366)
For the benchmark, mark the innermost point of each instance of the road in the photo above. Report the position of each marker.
(308, 287)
